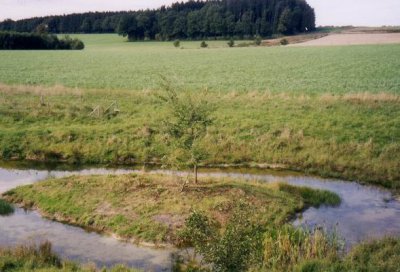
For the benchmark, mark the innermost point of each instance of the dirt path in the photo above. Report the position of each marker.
(353, 39)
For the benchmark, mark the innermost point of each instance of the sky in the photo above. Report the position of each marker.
(329, 12)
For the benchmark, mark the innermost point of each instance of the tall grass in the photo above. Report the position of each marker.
(42, 258)
(351, 136)
(286, 247)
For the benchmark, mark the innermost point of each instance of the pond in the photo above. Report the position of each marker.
(366, 212)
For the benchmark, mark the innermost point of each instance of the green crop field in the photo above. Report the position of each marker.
(110, 62)
(333, 111)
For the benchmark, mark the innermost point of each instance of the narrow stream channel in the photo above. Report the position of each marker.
(366, 212)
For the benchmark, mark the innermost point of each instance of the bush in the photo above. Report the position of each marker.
(177, 43)
(284, 42)
(236, 249)
(258, 40)
(23, 41)
(231, 43)
(203, 44)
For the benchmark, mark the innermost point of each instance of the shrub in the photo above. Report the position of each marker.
(231, 43)
(5, 208)
(177, 43)
(235, 249)
(258, 40)
(284, 42)
(203, 44)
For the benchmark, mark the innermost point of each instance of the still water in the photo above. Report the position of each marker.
(366, 212)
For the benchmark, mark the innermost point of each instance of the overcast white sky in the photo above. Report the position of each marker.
(329, 12)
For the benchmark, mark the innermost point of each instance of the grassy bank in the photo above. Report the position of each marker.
(376, 256)
(353, 136)
(152, 208)
(42, 259)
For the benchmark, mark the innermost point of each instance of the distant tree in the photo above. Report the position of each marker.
(284, 26)
(203, 44)
(186, 125)
(86, 26)
(41, 29)
(127, 26)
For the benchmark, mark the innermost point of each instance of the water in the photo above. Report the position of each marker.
(366, 212)
(68, 241)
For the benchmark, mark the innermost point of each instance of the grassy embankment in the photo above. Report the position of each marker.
(352, 136)
(151, 208)
(381, 256)
(42, 259)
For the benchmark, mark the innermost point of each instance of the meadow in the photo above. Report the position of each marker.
(331, 111)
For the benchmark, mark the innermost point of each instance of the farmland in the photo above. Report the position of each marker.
(108, 62)
(330, 111)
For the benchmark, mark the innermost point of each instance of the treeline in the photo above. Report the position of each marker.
(185, 20)
(15, 40)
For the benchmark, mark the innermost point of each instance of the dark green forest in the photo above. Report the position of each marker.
(184, 20)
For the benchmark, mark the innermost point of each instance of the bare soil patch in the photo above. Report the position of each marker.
(354, 39)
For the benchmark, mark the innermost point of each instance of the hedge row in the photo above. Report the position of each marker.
(20, 41)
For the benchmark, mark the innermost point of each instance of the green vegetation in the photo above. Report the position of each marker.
(135, 66)
(186, 125)
(375, 256)
(152, 208)
(37, 41)
(41, 258)
(5, 208)
(352, 136)
(282, 248)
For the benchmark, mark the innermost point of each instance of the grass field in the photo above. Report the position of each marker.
(332, 111)
(110, 63)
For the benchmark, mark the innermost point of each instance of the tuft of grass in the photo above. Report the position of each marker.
(286, 247)
(5, 208)
(41, 258)
(373, 256)
(152, 208)
(312, 197)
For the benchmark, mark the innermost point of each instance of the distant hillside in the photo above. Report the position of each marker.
(189, 20)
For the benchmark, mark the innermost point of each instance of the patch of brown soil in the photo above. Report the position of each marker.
(354, 39)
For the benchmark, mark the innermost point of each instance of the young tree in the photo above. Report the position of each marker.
(189, 116)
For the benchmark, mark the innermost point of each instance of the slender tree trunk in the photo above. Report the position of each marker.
(195, 174)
